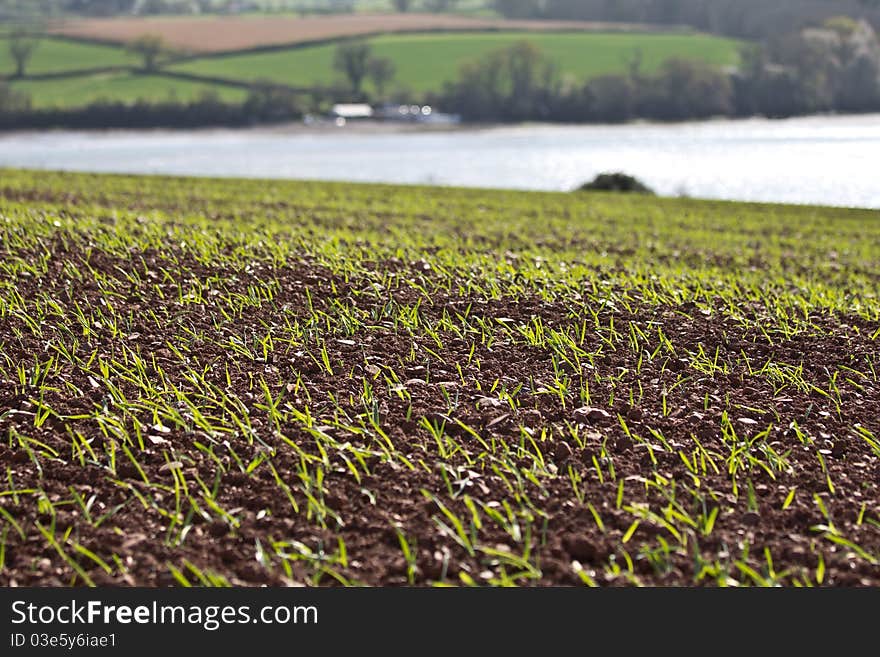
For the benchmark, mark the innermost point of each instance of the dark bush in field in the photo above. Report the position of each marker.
(616, 182)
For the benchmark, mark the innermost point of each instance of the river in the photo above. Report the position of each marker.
(830, 160)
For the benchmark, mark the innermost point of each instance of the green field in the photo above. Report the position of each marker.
(425, 61)
(56, 55)
(215, 382)
(122, 87)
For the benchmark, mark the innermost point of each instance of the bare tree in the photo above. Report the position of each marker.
(440, 6)
(381, 71)
(149, 48)
(352, 60)
(21, 48)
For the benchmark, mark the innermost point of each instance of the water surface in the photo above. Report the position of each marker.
(827, 160)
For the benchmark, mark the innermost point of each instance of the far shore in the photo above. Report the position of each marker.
(378, 127)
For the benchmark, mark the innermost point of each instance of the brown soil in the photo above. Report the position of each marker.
(390, 495)
(223, 34)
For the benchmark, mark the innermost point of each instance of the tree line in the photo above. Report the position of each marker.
(744, 18)
(835, 68)
(50, 8)
(741, 18)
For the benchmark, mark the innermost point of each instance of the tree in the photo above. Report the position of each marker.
(381, 71)
(440, 6)
(690, 90)
(269, 102)
(855, 65)
(813, 67)
(859, 86)
(843, 26)
(512, 84)
(352, 60)
(157, 7)
(99, 7)
(149, 48)
(516, 8)
(21, 49)
(611, 98)
(402, 6)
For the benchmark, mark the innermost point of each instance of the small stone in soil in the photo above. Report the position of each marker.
(591, 414)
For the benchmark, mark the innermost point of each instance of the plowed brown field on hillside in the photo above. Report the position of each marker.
(221, 34)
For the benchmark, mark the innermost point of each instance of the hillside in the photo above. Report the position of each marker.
(67, 72)
(233, 33)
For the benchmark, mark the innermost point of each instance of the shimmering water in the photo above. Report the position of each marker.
(827, 160)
